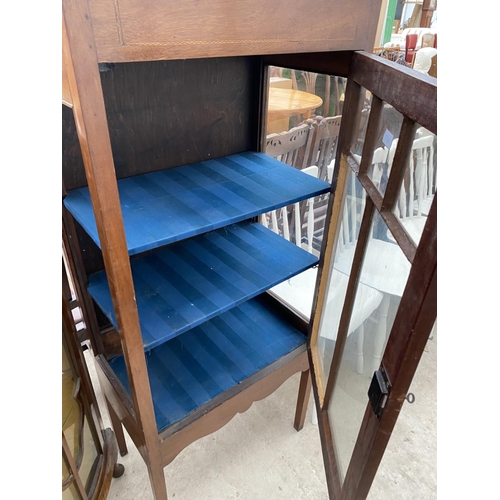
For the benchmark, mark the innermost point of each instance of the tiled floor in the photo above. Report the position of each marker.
(259, 455)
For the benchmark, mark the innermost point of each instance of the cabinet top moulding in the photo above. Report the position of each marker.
(142, 30)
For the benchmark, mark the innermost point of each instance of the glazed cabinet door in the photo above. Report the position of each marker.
(375, 300)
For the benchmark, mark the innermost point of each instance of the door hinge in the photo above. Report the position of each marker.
(379, 390)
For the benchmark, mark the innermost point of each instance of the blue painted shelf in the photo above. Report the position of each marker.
(191, 370)
(160, 208)
(183, 285)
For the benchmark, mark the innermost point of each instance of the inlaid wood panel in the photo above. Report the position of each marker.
(131, 30)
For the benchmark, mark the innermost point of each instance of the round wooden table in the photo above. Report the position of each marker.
(284, 103)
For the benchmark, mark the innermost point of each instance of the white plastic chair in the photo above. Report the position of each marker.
(417, 191)
(270, 219)
(297, 292)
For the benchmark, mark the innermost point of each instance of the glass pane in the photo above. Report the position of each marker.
(359, 139)
(291, 132)
(352, 210)
(304, 108)
(383, 277)
(391, 122)
(295, 96)
(378, 169)
(409, 463)
(418, 186)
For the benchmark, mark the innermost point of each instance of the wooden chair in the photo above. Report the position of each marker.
(420, 181)
(279, 220)
(389, 53)
(323, 145)
(419, 185)
(425, 170)
(361, 126)
(291, 147)
(410, 47)
(428, 40)
(324, 142)
(376, 168)
(310, 79)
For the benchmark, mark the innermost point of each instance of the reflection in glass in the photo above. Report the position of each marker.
(352, 211)
(415, 434)
(330, 320)
(359, 139)
(383, 277)
(419, 185)
(308, 142)
(301, 95)
(385, 147)
(383, 152)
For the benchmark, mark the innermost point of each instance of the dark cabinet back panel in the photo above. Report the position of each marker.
(163, 114)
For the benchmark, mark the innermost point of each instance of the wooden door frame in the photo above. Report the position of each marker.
(82, 76)
(393, 84)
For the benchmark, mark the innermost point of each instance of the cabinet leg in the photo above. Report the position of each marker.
(302, 400)
(118, 470)
(157, 480)
(118, 430)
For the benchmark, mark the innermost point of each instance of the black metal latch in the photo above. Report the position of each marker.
(379, 391)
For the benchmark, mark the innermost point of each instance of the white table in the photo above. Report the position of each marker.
(298, 293)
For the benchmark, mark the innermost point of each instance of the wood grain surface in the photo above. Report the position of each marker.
(131, 30)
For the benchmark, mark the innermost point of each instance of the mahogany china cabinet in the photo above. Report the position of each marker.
(164, 177)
